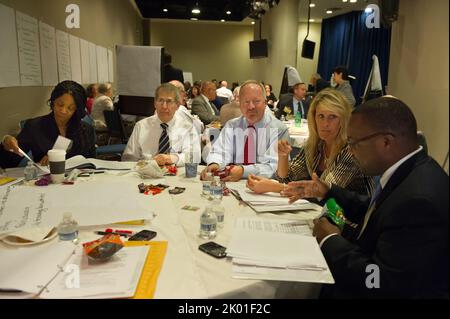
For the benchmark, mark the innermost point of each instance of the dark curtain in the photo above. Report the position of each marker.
(345, 40)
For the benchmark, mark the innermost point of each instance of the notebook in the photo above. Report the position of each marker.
(80, 162)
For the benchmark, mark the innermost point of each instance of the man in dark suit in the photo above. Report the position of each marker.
(203, 106)
(291, 103)
(402, 245)
(171, 73)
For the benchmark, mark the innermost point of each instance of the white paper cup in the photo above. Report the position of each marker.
(57, 162)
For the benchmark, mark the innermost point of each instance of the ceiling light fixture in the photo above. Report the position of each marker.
(253, 22)
(194, 19)
(222, 20)
(312, 20)
(353, 1)
(329, 11)
(228, 12)
(344, 0)
(196, 9)
(312, 5)
(165, 10)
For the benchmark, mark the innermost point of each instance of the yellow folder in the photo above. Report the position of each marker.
(153, 264)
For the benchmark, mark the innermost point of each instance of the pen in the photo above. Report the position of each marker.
(127, 232)
(111, 233)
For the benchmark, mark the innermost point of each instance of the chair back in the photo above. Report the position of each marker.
(115, 125)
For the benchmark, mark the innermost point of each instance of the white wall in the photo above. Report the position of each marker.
(418, 68)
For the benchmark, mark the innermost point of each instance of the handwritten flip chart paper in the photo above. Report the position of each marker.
(48, 54)
(93, 62)
(110, 66)
(75, 58)
(102, 64)
(29, 53)
(9, 61)
(63, 51)
(85, 64)
(90, 202)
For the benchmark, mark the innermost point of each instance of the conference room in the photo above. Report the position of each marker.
(133, 94)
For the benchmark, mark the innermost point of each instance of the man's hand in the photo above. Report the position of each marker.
(10, 144)
(236, 173)
(306, 189)
(44, 161)
(262, 185)
(284, 149)
(210, 168)
(323, 228)
(163, 159)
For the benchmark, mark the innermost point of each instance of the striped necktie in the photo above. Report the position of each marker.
(371, 208)
(164, 143)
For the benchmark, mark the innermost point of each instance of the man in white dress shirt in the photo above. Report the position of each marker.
(224, 91)
(249, 141)
(165, 136)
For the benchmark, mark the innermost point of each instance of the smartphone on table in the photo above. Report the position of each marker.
(213, 249)
(143, 235)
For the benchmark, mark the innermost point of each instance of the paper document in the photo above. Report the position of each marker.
(81, 162)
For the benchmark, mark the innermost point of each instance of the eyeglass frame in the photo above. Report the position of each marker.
(168, 102)
(352, 144)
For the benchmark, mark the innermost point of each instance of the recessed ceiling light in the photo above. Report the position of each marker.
(253, 22)
(353, 1)
(195, 11)
(222, 20)
(329, 11)
(312, 5)
(312, 20)
(228, 12)
(194, 19)
(165, 10)
(344, 0)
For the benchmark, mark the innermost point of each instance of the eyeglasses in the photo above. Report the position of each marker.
(168, 102)
(352, 143)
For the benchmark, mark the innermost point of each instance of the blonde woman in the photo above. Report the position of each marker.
(325, 153)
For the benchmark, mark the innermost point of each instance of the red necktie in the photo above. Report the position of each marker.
(249, 147)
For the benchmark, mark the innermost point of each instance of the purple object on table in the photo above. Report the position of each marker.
(44, 180)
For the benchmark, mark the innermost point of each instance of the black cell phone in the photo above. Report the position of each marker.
(213, 249)
(143, 235)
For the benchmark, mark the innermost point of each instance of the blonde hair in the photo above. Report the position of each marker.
(333, 101)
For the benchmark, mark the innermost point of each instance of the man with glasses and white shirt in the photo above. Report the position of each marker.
(165, 136)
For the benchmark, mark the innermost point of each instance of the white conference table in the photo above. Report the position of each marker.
(299, 134)
(189, 273)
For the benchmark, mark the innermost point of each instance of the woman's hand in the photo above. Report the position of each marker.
(262, 185)
(44, 161)
(10, 144)
(284, 149)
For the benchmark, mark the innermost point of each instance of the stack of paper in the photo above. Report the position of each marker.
(275, 249)
(81, 162)
(270, 202)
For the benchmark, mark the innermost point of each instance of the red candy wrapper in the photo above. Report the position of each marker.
(222, 173)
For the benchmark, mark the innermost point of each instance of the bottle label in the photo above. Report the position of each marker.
(208, 227)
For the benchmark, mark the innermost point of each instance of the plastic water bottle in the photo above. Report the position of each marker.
(206, 192)
(208, 224)
(219, 211)
(68, 228)
(30, 172)
(216, 190)
(298, 119)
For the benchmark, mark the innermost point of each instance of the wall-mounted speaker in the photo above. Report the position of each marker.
(258, 49)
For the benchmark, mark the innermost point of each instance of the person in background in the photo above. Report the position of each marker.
(202, 105)
(291, 103)
(402, 249)
(166, 136)
(340, 77)
(182, 110)
(169, 71)
(224, 92)
(68, 106)
(193, 93)
(101, 103)
(317, 83)
(91, 92)
(270, 97)
(187, 86)
(249, 141)
(231, 110)
(325, 152)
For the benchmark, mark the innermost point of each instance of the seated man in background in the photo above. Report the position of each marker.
(202, 105)
(250, 140)
(183, 111)
(165, 136)
(402, 249)
(101, 103)
(231, 110)
(291, 103)
(224, 92)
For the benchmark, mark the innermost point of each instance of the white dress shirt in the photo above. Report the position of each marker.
(144, 141)
(100, 104)
(224, 92)
(229, 146)
(199, 126)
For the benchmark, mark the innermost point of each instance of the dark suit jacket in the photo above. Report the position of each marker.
(407, 236)
(172, 73)
(200, 108)
(39, 134)
(286, 100)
